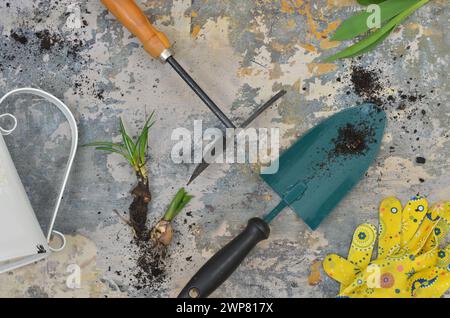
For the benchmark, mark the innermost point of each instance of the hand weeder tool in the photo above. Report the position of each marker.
(158, 45)
(203, 165)
(314, 175)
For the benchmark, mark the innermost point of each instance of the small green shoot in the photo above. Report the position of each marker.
(180, 200)
(134, 152)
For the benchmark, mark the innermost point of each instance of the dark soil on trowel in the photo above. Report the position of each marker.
(352, 140)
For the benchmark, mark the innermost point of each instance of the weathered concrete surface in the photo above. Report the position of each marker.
(241, 52)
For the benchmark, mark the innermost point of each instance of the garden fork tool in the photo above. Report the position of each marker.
(158, 45)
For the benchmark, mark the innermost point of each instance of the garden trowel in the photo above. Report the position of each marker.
(314, 175)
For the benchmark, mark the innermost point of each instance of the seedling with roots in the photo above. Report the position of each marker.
(135, 153)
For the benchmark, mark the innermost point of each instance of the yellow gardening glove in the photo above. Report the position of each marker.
(402, 236)
(441, 229)
(435, 281)
(364, 238)
(359, 256)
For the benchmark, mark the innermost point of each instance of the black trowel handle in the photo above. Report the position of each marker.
(224, 262)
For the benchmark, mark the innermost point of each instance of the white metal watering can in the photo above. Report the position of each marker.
(22, 240)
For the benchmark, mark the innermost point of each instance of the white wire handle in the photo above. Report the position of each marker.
(6, 132)
(74, 130)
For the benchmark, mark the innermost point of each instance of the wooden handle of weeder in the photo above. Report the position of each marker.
(132, 17)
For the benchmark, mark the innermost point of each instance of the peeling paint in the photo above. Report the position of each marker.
(80, 251)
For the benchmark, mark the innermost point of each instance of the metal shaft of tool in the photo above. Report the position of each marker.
(200, 93)
(276, 210)
(261, 109)
(203, 165)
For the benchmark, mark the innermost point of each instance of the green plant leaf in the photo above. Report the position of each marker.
(143, 139)
(171, 211)
(104, 143)
(372, 39)
(372, 46)
(129, 144)
(357, 24)
(142, 143)
(109, 149)
(367, 2)
(147, 123)
(184, 202)
(134, 153)
(180, 200)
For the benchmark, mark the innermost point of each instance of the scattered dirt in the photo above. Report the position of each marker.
(99, 94)
(47, 39)
(352, 140)
(151, 266)
(367, 84)
(27, 46)
(404, 107)
(420, 160)
(19, 38)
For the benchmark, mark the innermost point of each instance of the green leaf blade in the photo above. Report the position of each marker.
(367, 2)
(184, 202)
(180, 200)
(129, 144)
(374, 38)
(112, 150)
(143, 139)
(357, 24)
(147, 123)
(104, 143)
(372, 46)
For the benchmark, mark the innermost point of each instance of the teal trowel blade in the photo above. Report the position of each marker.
(318, 170)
